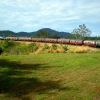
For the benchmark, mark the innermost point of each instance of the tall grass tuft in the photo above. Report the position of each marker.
(4, 45)
(32, 47)
(45, 47)
(65, 48)
(54, 46)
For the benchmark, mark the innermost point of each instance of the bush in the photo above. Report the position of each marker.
(54, 46)
(18, 49)
(65, 47)
(15, 48)
(5, 45)
(23, 49)
(45, 47)
(32, 47)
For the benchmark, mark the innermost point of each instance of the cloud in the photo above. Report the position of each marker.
(62, 15)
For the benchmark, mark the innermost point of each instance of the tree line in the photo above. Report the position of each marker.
(45, 34)
(82, 33)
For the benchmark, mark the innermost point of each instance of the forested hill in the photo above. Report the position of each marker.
(28, 34)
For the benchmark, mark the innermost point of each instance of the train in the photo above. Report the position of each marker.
(90, 43)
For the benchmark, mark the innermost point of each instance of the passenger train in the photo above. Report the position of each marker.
(90, 43)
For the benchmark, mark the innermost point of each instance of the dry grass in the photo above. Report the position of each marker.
(59, 49)
(81, 49)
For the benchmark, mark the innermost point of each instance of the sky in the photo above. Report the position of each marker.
(59, 15)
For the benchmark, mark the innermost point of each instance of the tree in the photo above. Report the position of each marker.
(81, 32)
(43, 34)
(55, 36)
(75, 33)
(10, 35)
(32, 36)
(46, 34)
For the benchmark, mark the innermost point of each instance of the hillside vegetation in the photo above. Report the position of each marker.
(20, 48)
(8, 33)
(56, 76)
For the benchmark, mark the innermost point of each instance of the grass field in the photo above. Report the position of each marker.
(58, 76)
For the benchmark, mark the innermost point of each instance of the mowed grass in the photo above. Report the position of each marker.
(58, 76)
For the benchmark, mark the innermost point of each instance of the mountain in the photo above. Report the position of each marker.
(52, 32)
(28, 34)
(6, 33)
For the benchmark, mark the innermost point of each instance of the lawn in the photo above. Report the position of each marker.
(56, 76)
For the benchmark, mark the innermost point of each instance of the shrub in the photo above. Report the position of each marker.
(4, 45)
(45, 47)
(32, 47)
(54, 46)
(15, 48)
(23, 49)
(65, 47)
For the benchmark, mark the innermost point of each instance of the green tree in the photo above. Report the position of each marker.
(43, 34)
(32, 36)
(55, 36)
(46, 34)
(81, 32)
(10, 35)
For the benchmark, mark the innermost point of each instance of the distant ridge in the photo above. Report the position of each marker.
(28, 34)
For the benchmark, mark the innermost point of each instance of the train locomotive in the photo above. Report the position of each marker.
(90, 43)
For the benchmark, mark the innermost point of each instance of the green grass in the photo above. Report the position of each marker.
(69, 76)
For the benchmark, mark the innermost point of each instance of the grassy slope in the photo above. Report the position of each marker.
(60, 49)
(59, 76)
(20, 48)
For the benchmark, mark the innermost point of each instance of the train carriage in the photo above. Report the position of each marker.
(64, 41)
(34, 39)
(90, 43)
(49, 40)
(98, 43)
(24, 38)
(76, 42)
(11, 38)
(39, 39)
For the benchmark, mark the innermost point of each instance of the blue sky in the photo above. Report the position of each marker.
(60, 15)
